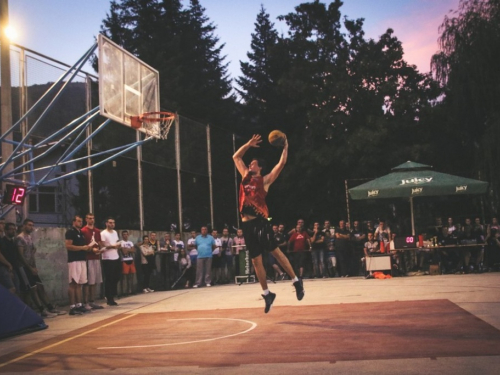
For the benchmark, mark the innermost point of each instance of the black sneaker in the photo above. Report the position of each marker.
(83, 309)
(112, 303)
(299, 289)
(75, 311)
(269, 299)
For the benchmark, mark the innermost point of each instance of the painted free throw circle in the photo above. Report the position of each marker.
(252, 326)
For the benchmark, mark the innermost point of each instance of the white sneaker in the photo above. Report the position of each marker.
(150, 290)
(195, 286)
(145, 291)
(209, 285)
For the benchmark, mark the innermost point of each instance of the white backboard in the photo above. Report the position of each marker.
(127, 85)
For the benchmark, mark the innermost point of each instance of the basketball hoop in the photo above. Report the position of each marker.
(156, 124)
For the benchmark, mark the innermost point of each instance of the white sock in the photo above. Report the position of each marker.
(71, 306)
(266, 292)
(78, 305)
(296, 279)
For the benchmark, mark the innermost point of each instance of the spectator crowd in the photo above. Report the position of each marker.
(210, 257)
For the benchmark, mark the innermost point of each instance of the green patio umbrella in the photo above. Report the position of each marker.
(410, 180)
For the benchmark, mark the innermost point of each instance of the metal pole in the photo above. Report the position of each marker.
(236, 185)
(412, 218)
(23, 108)
(178, 167)
(90, 185)
(6, 97)
(209, 157)
(139, 181)
(347, 203)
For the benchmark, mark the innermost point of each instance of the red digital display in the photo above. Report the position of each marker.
(14, 194)
(405, 242)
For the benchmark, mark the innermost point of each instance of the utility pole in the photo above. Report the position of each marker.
(5, 95)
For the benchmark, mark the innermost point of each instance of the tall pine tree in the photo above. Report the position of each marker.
(262, 106)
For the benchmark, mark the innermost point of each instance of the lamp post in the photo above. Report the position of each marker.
(5, 94)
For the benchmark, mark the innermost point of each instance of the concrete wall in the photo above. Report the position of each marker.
(52, 260)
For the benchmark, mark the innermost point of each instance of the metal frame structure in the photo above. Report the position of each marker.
(75, 136)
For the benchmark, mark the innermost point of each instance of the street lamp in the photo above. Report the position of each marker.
(10, 32)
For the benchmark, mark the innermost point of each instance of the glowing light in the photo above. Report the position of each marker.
(10, 32)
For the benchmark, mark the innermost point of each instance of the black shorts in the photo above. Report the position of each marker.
(259, 236)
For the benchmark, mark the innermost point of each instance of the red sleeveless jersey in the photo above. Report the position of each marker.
(253, 195)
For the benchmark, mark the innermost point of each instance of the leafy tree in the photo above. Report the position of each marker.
(467, 67)
(351, 106)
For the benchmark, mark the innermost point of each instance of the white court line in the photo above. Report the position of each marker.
(253, 325)
(63, 341)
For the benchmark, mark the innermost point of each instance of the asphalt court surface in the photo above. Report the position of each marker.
(292, 333)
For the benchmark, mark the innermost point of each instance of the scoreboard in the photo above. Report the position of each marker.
(14, 194)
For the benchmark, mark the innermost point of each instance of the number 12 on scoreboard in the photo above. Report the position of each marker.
(14, 194)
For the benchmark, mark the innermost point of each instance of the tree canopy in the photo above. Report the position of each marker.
(467, 67)
(352, 107)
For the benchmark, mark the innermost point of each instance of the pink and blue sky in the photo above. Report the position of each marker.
(65, 29)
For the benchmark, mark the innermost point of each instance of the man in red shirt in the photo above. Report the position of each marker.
(299, 243)
(92, 237)
(254, 216)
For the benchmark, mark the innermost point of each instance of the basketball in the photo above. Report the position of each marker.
(277, 138)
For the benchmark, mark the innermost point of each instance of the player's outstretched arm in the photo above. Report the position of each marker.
(273, 175)
(238, 155)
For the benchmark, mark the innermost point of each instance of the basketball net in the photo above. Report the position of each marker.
(155, 124)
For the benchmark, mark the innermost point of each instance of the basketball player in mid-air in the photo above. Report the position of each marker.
(257, 229)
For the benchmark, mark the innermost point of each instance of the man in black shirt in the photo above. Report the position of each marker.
(77, 265)
(358, 239)
(9, 261)
(342, 239)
